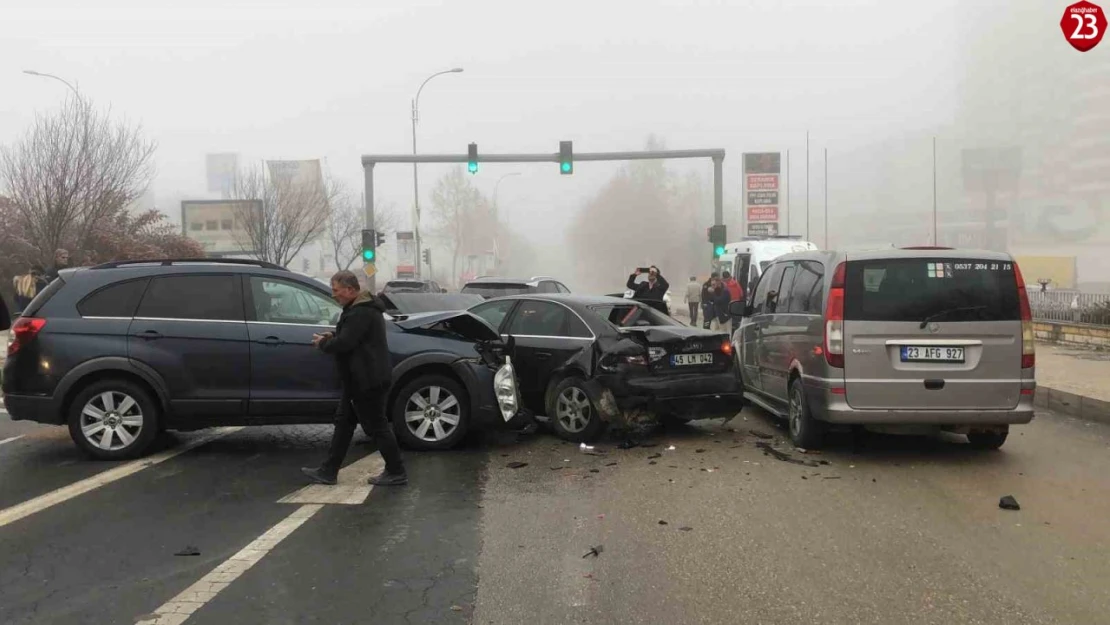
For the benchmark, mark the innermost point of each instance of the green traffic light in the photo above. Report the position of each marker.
(720, 250)
(368, 255)
(566, 167)
(472, 167)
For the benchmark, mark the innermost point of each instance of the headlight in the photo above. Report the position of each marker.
(504, 387)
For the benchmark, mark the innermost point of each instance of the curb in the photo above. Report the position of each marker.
(1063, 402)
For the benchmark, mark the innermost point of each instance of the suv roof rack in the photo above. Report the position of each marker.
(166, 262)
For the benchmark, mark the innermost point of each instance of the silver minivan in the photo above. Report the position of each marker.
(888, 339)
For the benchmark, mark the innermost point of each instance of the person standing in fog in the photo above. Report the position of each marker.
(360, 349)
(693, 299)
(707, 288)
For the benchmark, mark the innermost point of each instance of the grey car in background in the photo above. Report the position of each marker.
(912, 337)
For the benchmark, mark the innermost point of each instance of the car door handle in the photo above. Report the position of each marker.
(270, 340)
(149, 335)
(543, 355)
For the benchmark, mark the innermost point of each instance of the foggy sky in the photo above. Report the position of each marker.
(306, 82)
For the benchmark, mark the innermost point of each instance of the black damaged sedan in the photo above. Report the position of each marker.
(583, 360)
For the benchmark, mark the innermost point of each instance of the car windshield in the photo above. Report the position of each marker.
(632, 315)
(927, 289)
(496, 289)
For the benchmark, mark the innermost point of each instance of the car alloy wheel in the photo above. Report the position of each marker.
(111, 420)
(795, 415)
(573, 409)
(432, 413)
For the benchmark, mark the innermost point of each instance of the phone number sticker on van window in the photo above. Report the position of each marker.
(982, 266)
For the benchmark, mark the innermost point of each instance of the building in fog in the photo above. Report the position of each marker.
(1025, 90)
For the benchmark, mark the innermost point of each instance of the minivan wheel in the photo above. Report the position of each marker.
(805, 431)
(987, 440)
(573, 412)
(113, 419)
(431, 413)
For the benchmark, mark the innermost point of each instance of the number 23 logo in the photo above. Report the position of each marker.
(1083, 25)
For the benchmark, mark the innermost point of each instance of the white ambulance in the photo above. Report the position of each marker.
(746, 259)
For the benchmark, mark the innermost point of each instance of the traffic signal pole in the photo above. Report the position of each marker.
(368, 180)
(717, 155)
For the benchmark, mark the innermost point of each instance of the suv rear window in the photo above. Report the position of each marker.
(115, 300)
(945, 289)
(497, 290)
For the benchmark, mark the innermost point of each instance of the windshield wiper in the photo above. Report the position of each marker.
(926, 320)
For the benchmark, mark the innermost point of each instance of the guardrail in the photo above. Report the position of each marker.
(1070, 306)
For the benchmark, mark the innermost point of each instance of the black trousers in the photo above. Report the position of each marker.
(694, 306)
(369, 409)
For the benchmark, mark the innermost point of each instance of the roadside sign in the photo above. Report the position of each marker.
(763, 213)
(763, 229)
(369, 269)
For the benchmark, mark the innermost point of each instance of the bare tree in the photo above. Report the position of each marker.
(461, 216)
(346, 221)
(73, 169)
(286, 214)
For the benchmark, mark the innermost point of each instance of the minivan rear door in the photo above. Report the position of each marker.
(933, 331)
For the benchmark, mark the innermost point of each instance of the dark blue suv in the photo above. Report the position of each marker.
(122, 351)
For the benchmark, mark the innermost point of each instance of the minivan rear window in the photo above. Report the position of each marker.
(934, 289)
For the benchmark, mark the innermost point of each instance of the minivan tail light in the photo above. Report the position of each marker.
(1028, 338)
(834, 320)
(24, 330)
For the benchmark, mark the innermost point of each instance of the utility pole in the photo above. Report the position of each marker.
(807, 185)
(826, 198)
(788, 192)
(936, 242)
(368, 208)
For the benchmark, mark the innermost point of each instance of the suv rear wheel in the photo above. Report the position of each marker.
(113, 419)
(805, 431)
(987, 440)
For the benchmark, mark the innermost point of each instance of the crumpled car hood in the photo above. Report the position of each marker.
(463, 323)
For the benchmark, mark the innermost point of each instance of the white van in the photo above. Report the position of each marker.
(747, 259)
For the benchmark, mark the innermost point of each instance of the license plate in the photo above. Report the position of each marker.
(915, 353)
(679, 360)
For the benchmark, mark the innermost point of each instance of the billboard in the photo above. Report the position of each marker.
(301, 173)
(761, 192)
(221, 169)
(218, 225)
(406, 255)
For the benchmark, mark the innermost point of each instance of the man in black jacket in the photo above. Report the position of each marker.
(362, 354)
(653, 289)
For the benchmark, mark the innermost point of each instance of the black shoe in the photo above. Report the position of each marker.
(320, 475)
(388, 479)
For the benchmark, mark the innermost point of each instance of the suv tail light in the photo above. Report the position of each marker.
(834, 320)
(1028, 338)
(23, 332)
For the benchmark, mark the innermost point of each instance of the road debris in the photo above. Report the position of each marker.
(1009, 503)
(610, 464)
(699, 451)
(662, 522)
(595, 470)
(628, 444)
(557, 468)
(595, 551)
(834, 477)
(685, 528)
(516, 465)
(763, 435)
(189, 550)
(768, 450)
(654, 456)
(652, 462)
(456, 608)
(670, 448)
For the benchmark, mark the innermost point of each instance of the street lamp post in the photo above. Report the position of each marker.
(415, 181)
(31, 72)
(496, 215)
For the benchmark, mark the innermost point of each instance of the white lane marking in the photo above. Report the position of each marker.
(351, 489)
(177, 610)
(12, 439)
(38, 504)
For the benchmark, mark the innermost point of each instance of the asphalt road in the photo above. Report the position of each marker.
(887, 530)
